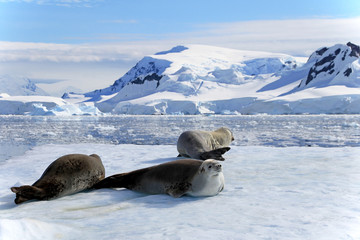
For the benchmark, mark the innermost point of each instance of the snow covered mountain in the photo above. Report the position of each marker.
(198, 79)
(18, 86)
(181, 79)
(333, 66)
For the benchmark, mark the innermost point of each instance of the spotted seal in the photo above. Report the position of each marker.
(186, 176)
(66, 175)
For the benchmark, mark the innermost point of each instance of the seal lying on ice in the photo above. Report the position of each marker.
(66, 175)
(205, 145)
(187, 176)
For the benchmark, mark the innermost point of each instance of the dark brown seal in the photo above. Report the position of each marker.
(68, 174)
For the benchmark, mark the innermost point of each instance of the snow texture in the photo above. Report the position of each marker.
(301, 191)
(270, 193)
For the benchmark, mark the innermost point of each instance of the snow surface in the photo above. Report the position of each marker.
(270, 193)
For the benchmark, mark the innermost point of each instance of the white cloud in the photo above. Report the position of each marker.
(296, 37)
(38, 52)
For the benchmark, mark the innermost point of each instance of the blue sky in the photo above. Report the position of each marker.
(87, 44)
(66, 21)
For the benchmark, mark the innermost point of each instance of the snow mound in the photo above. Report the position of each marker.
(30, 229)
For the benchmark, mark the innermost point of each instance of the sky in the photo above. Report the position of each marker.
(88, 44)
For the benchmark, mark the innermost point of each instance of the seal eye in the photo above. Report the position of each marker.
(210, 166)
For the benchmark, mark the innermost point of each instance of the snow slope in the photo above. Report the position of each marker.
(270, 193)
(18, 86)
(44, 106)
(198, 79)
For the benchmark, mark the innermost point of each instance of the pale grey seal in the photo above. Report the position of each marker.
(205, 144)
(187, 176)
(68, 174)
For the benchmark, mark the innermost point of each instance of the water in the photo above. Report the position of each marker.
(20, 133)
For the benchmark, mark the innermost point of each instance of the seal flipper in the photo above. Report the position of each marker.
(215, 154)
(26, 193)
(175, 193)
(178, 189)
(123, 180)
(115, 181)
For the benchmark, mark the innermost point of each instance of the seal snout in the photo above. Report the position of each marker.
(218, 167)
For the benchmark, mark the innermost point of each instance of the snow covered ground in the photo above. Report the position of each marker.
(271, 192)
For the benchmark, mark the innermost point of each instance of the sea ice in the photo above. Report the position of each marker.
(270, 193)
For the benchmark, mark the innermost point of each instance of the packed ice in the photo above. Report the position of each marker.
(276, 193)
